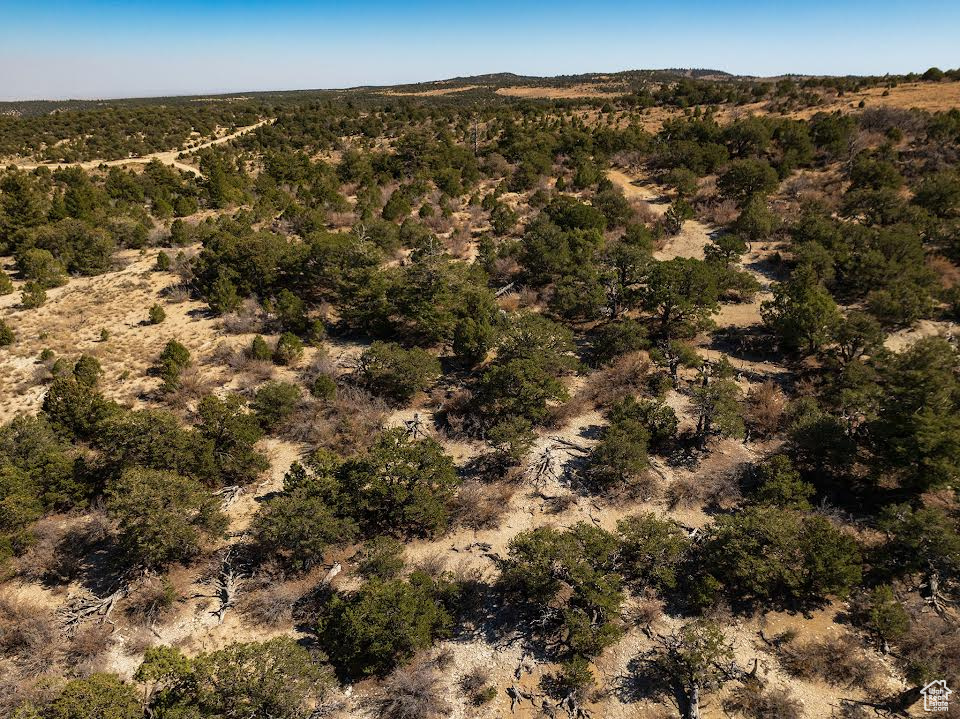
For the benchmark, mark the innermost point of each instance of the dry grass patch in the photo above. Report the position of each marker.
(481, 506)
(627, 375)
(271, 603)
(28, 635)
(753, 701)
(839, 661)
(412, 692)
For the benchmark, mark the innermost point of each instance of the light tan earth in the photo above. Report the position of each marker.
(436, 92)
(560, 93)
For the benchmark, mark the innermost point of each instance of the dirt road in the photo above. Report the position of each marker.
(167, 157)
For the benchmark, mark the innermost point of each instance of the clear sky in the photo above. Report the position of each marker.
(104, 49)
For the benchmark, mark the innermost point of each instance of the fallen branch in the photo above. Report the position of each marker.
(228, 586)
(79, 608)
(229, 495)
(334, 571)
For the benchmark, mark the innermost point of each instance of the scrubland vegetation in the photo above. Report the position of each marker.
(469, 405)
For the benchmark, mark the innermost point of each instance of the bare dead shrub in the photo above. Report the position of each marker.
(439, 224)
(193, 385)
(76, 545)
(852, 710)
(723, 491)
(931, 647)
(720, 213)
(643, 212)
(836, 660)
(528, 297)
(412, 692)
(346, 424)
(443, 658)
(84, 652)
(475, 679)
(40, 561)
(766, 404)
(225, 354)
(433, 565)
(883, 118)
(271, 604)
(866, 140)
(182, 268)
(258, 371)
(644, 487)
(947, 273)
(646, 610)
(152, 600)
(459, 243)
(509, 302)
(341, 220)
(455, 410)
(28, 635)
(560, 503)
(481, 506)
(176, 294)
(476, 685)
(138, 641)
(686, 492)
(753, 701)
(626, 375)
(248, 319)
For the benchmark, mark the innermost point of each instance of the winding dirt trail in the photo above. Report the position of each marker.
(167, 157)
(689, 242)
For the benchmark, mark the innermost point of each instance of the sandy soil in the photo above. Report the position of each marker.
(574, 91)
(694, 235)
(432, 93)
(71, 320)
(901, 339)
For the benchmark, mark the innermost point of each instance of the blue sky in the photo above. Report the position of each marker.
(85, 49)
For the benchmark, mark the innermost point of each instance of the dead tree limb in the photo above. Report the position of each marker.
(416, 427)
(228, 586)
(229, 495)
(334, 571)
(82, 607)
(570, 445)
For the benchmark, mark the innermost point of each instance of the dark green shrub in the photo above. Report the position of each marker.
(323, 387)
(382, 624)
(162, 517)
(401, 485)
(33, 295)
(173, 360)
(274, 402)
(6, 334)
(157, 315)
(389, 370)
(289, 349)
(259, 350)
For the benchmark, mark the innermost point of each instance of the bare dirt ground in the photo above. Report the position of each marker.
(167, 157)
(432, 93)
(559, 93)
(693, 236)
(71, 321)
